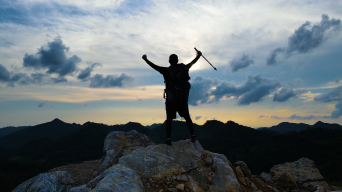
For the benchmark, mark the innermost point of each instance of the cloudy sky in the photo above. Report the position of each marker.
(81, 60)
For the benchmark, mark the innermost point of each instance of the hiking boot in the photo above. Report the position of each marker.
(168, 142)
(193, 138)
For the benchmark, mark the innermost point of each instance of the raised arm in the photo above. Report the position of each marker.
(155, 67)
(195, 60)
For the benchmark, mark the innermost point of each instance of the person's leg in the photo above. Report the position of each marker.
(190, 124)
(170, 115)
(183, 111)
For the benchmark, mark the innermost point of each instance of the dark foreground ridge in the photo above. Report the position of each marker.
(131, 162)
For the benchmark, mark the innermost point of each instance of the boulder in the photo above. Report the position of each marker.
(119, 143)
(117, 178)
(57, 181)
(303, 172)
(183, 157)
(81, 173)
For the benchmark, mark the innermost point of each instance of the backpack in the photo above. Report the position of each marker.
(178, 84)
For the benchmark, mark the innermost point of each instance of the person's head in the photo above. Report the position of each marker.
(173, 59)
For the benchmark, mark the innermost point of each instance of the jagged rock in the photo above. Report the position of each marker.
(261, 185)
(240, 176)
(286, 181)
(244, 168)
(180, 187)
(81, 173)
(182, 178)
(119, 143)
(254, 187)
(267, 177)
(57, 181)
(117, 178)
(182, 157)
(303, 172)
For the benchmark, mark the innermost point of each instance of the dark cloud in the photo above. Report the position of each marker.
(25, 79)
(85, 74)
(5, 75)
(337, 113)
(21, 78)
(198, 117)
(334, 95)
(295, 116)
(253, 90)
(200, 90)
(241, 63)
(306, 38)
(110, 81)
(286, 93)
(272, 59)
(53, 57)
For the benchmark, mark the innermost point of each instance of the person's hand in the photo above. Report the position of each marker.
(199, 53)
(144, 57)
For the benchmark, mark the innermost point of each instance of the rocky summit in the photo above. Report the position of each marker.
(131, 162)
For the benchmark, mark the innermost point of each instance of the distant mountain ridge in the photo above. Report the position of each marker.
(16, 137)
(53, 130)
(8, 130)
(286, 127)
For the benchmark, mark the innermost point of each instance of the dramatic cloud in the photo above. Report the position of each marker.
(20, 78)
(110, 81)
(253, 90)
(334, 95)
(200, 90)
(85, 74)
(5, 75)
(337, 113)
(307, 37)
(272, 59)
(286, 93)
(241, 63)
(53, 57)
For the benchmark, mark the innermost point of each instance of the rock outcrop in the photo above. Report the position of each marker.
(132, 162)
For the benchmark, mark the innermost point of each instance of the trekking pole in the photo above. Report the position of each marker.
(207, 60)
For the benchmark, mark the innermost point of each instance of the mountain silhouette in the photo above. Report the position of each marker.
(286, 127)
(51, 130)
(8, 130)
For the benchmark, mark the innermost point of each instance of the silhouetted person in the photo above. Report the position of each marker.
(177, 87)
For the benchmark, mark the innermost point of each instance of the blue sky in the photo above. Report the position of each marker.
(81, 60)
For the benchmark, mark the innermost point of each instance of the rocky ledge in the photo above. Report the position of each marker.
(131, 162)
